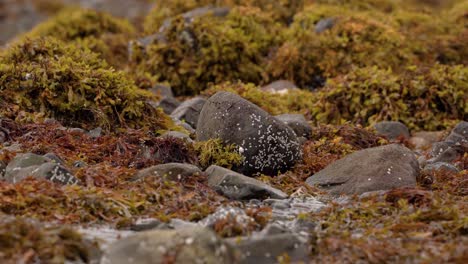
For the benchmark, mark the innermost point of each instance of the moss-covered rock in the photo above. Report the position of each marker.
(422, 98)
(46, 77)
(98, 31)
(210, 49)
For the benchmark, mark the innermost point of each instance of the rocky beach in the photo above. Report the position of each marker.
(233, 131)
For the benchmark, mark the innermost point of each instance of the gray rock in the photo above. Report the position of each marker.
(187, 245)
(170, 171)
(270, 249)
(267, 144)
(95, 133)
(231, 215)
(298, 123)
(177, 134)
(280, 87)
(24, 165)
(189, 111)
(324, 24)
(438, 166)
(168, 104)
(447, 151)
(240, 187)
(392, 130)
(372, 169)
(459, 134)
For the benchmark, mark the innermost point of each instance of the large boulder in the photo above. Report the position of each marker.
(29, 164)
(267, 144)
(186, 245)
(372, 169)
(240, 187)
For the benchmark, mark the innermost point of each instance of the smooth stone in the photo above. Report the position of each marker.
(240, 187)
(392, 130)
(373, 169)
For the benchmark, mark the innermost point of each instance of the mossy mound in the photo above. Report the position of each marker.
(349, 40)
(422, 98)
(281, 11)
(213, 152)
(210, 49)
(46, 77)
(294, 101)
(98, 31)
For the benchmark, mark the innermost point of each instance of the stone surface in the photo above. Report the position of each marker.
(24, 165)
(324, 24)
(425, 139)
(447, 151)
(170, 171)
(267, 144)
(279, 87)
(270, 249)
(298, 123)
(438, 166)
(459, 134)
(392, 130)
(189, 111)
(168, 104)
(240, 187)
(55, 158)
(187, 245)
(372, 169)
(95, 133)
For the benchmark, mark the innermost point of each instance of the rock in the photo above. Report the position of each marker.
(187, 245)
(270, 249)
(95, 133)
(240, 187)
(168, 104)
(439, 166)
(24, 165)
(148, 224)
(189, 111)
(447, 151)
(267, 144)
(392, 130)
(171, 171)
(372, 169)
(298, 123)
(279, 87)
(324, 24)
(230, 215)
(459, 134)
(177, 134)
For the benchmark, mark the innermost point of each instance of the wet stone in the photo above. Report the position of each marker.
(267, 144)
(240, 187)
